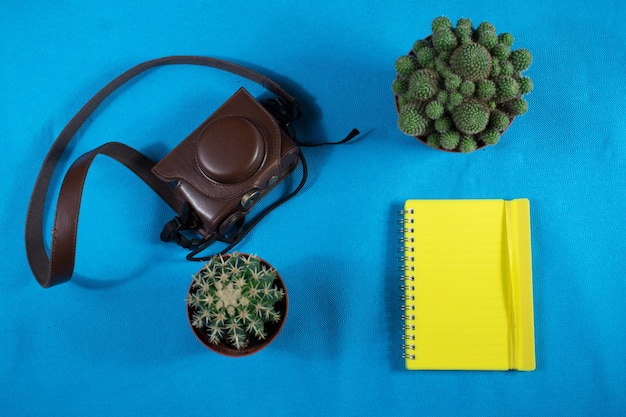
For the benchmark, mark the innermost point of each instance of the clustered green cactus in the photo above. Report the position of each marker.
(461, 87)
(232, 297)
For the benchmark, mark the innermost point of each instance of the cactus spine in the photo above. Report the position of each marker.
(461, 87)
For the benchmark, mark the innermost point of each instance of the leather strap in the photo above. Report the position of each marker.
(59, 267)
(68, 206)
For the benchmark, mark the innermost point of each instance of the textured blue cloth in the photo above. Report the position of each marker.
(115, 340)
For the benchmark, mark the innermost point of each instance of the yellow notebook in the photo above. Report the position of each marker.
(468, 285)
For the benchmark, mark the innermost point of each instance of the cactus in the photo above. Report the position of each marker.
(464, 30)
(470, 118)
(462, 86)
(521, 59)
(525, 85)
(449, 140)
(412, 122)
(506, 88)
(406, 65)
(421, 87)
(433, 140)
(490, 137)
(443, 124)
(505, 39)
(485, 89)
(498, 120)
(441, 22)
(454, 100)
(501, 51)
(400, 86)
(467, 144)
(515, 106)
(434, 110)
(467, 88)
(232, 297)
(471, 61)
(444, 39)
(486, 35)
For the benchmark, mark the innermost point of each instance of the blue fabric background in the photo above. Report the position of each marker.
(115, 340)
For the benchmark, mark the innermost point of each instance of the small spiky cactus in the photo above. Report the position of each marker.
(461, 87)
(232, 297)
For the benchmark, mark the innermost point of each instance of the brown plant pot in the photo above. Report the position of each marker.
(255, 344)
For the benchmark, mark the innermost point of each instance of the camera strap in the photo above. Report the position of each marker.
(59, 266)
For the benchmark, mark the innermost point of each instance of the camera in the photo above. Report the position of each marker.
(226, 165)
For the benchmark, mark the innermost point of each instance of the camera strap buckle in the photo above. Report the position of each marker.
(172, 231)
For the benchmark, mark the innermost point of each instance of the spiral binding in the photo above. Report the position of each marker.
(407, 278)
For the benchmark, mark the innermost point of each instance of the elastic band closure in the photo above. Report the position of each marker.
(512, 283)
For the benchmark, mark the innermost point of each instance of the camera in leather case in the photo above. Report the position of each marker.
(226, 165)
(212, 179)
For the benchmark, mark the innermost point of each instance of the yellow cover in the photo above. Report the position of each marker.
(468, 285)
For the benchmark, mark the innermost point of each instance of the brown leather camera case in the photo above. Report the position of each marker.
(229, 162)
